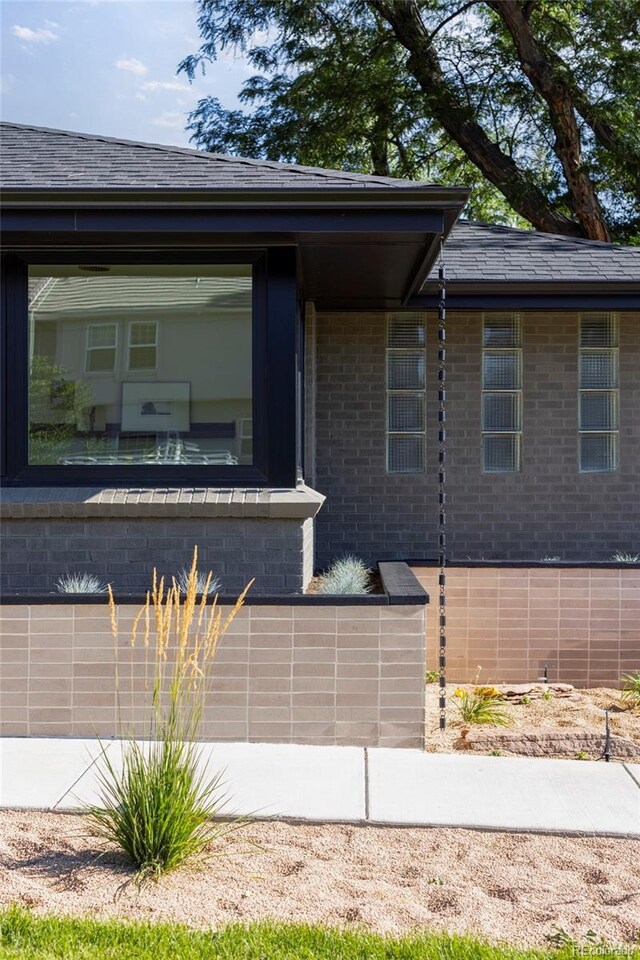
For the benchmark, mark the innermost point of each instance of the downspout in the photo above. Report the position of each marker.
(442, 519)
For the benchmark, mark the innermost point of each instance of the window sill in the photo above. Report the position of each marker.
(33, 502)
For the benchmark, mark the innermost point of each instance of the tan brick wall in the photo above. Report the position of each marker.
(293, 674)
(583, 623)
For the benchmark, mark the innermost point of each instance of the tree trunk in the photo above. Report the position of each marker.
(456, 116)
(547, 82)
(379, 147)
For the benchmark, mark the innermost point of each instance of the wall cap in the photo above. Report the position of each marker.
(400, 588)
(21, 503)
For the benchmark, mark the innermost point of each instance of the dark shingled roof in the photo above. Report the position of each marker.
(480, 252)
(37, 158)
(40, 158)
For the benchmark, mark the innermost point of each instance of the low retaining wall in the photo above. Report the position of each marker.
(307, 671)
(583, 622)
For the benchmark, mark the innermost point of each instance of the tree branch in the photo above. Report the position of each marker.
(444, 104)
(451, 17)
(555, 92)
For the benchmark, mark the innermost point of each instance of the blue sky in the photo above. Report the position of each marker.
(107, 67)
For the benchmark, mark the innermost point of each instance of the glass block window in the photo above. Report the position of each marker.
(143, 345)
(102, 344)
(598, 393)
(501, 392)
(501, 330)
(501, 453)
(406, 386)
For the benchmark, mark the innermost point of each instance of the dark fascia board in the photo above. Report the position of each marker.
(224, 221)
(427, 259)
(422, 195)
(601, 295)
(605, 298)
(485, 287)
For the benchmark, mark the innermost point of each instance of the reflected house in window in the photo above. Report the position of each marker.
(201, 330)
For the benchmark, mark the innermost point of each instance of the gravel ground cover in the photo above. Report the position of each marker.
(520, 888)
(578, 717)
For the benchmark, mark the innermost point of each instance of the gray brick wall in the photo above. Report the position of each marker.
(35, 552)
(547, 509)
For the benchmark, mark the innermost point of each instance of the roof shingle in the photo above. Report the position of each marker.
(40, 158)
(481, 252)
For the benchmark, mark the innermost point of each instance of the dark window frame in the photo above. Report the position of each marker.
(275, 320)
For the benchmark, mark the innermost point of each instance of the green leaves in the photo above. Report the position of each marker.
(475, 708)
(158, 807)
(335, 86)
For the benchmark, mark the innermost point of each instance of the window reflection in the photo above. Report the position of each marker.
(140, 364)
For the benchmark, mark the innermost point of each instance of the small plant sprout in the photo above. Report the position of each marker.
(631, 689)
(80, 583)
(547, 695)
(475, 709)
(431, 676)
(525, 700)
(621, 557)
(560, 937)
(206, 583)
(581, 755)
(346, 575)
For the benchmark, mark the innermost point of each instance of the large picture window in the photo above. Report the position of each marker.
(135, 364)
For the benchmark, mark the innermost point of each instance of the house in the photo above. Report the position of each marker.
(243, 354)
(168, 293)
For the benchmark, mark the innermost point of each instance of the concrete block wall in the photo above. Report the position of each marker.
(283, 674)
(548, 509)
(120, 535)
(583, 623)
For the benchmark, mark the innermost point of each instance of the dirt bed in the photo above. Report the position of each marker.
(515, 887)
(538, 727)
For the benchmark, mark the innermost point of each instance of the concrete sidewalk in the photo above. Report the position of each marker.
(377, 786)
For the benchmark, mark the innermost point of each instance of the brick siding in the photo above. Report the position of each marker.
(547, 509)
(35, 553)
(583, 623)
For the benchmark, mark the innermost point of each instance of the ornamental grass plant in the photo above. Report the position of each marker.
(346, 575)
(159, 806)
(80, 583)
(476, 708)
(631, 690)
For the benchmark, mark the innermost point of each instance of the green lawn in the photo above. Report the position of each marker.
(25, 937)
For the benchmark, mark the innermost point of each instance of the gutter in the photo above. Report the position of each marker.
(325, 197)
(503, 287)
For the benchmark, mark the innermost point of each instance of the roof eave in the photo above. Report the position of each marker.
(483, 287)
(423, 195)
